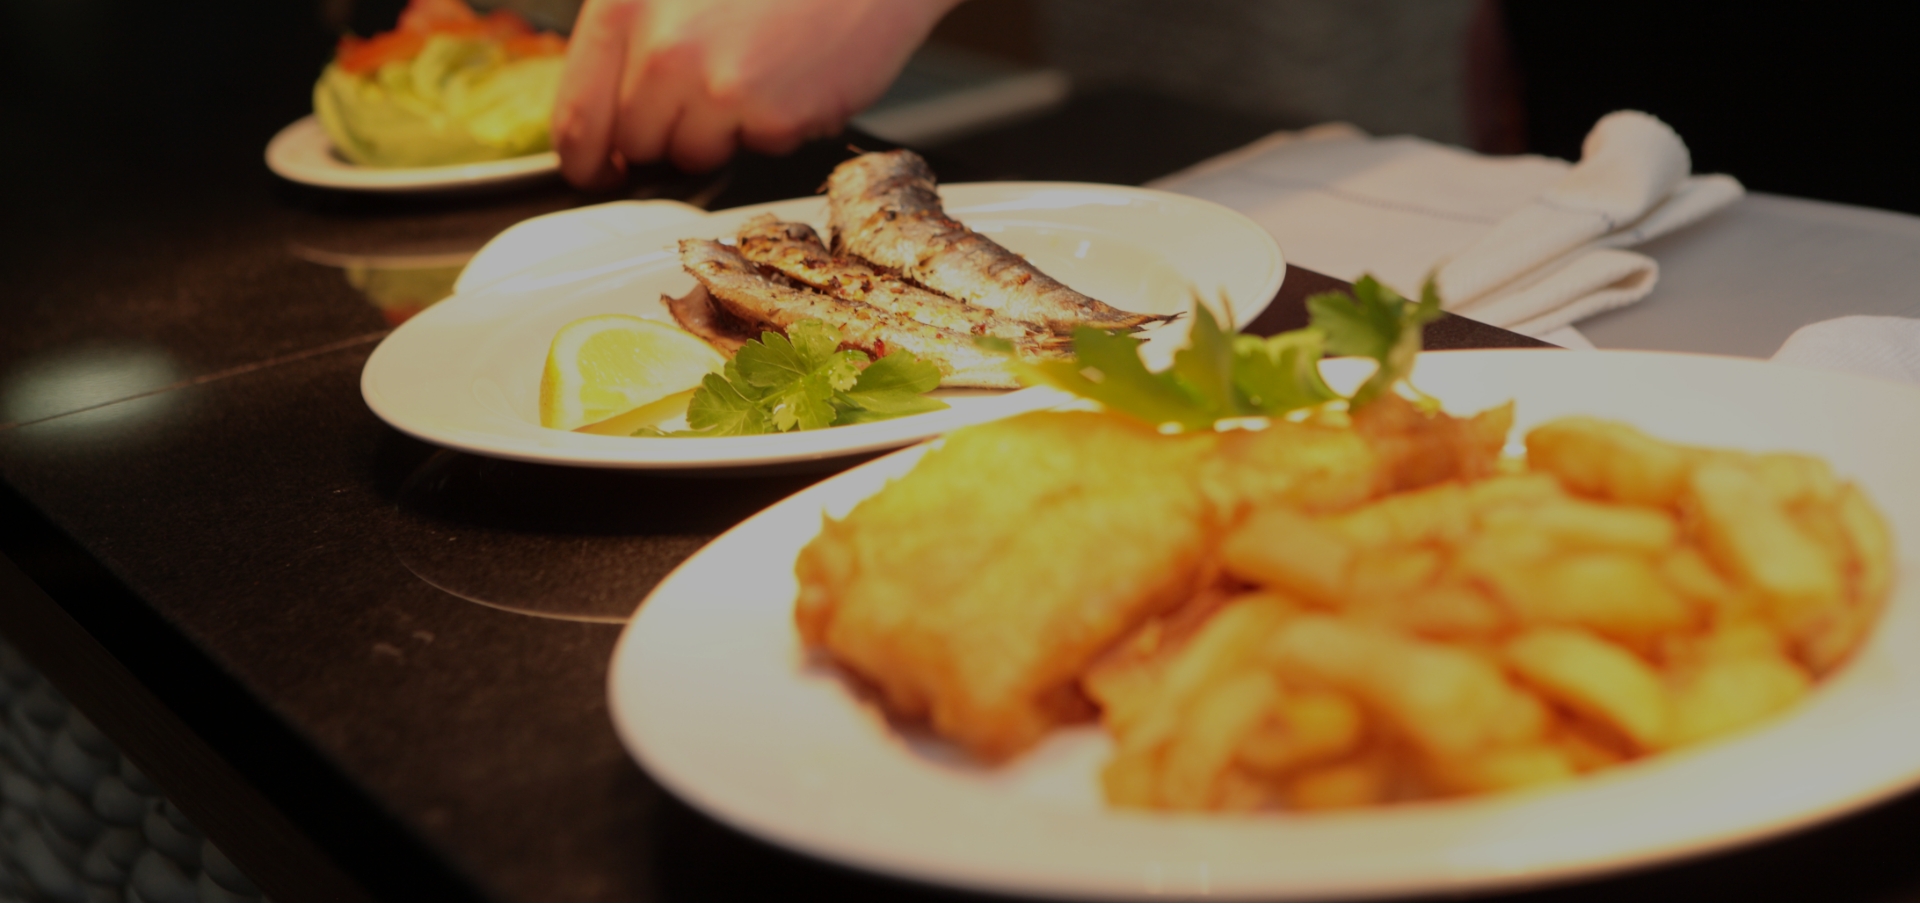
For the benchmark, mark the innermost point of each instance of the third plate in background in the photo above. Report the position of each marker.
(302, 153)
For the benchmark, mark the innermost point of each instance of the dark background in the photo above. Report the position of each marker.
(1820, 100)
(1816, 100)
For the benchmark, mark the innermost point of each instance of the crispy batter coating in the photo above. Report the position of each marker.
(974, 590)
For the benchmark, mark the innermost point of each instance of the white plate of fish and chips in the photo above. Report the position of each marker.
(713, 692)
(465, 373)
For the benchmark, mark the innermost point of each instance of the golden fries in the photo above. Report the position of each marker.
(1623, 596)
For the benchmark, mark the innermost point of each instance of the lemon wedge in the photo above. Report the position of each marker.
(605, 366)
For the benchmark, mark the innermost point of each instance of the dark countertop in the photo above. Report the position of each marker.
(222, 555)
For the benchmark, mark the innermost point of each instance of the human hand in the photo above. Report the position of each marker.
(689, 80)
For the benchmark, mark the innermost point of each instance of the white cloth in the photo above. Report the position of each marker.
(1528, 243)
(1885, 347)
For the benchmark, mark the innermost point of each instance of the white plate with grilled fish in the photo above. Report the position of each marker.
(713, 693)
(465, 373)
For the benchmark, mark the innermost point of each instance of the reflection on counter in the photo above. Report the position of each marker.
(401, 292)
(577, 544)
(79, 378)
(399, 285)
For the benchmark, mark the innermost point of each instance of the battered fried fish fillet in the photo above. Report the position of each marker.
(974, 591)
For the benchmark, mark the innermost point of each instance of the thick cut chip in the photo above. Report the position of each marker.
(1228, 643)
(1587, 747)
(1280, 547)
(1617, 594)
(1688, 573)
(1394, 574)
(1579, 524)
(1127, 678)
(1179, 733)
(1872, 545)
(1750, 536)
(1442, 513)
(1596, 679)
(1730, 638)
(1490, 554)
(1791, 479)
(1211, 732)
(1447, 701)
(1503, 769)
(1452, 612)
(1308, 727)
(1359, 782)
(1729, 693)
(1610, 460)
(1525, 488)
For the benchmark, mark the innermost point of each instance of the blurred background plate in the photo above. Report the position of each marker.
(301, 153)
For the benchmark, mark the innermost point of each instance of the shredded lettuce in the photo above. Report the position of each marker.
(460, 100)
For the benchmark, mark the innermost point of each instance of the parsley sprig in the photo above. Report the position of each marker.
(1218, 376)
(804, 381)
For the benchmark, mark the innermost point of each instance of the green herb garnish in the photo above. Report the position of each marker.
(1375, 322)
(804, 381)
(1218, 376)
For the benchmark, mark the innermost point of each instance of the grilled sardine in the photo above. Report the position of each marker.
(883, 207)
(739, 287)
(795, 250)
(697, 313)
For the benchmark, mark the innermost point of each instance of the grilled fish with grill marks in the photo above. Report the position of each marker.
(697, 313)
(737, 285)
(795, 250)
(883, 207)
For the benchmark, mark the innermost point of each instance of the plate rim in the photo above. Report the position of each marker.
(306, 134)
(788, 449)
(1883, 788)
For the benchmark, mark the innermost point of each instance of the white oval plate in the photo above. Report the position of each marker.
(712, 693)
(302, 153)
(465, 373)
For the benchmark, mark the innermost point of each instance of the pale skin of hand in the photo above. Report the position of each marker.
(692, 80)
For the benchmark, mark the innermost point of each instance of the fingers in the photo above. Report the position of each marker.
(778, 133)
(585, 110)
(703, 137)
(670, 107)
(662, 83)
(690, 80)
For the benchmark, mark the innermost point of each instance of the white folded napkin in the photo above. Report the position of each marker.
(1528, 243)
(1885, 347)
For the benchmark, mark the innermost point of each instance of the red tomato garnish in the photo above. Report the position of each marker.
(425, 18)
(505, 24)
(429, 16)
(363, 55)
(545, 43)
